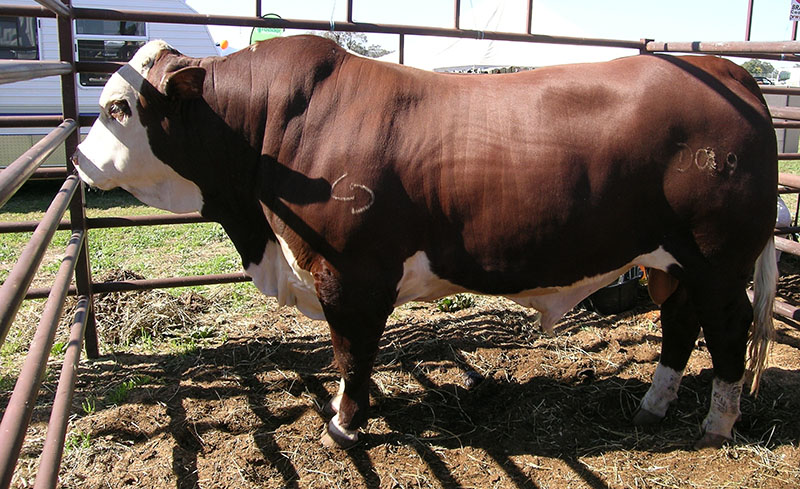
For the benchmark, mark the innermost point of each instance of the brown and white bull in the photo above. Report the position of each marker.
(351, 186)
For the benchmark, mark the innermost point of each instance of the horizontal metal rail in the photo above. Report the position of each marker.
(20, 406)
(14, 71)
(767, 49)
(150, 284)
(98, 66)
(781, 308)
(12, 178)
(31, 120)
(727, 47)
(787, 245)
(109, 222)
(171, 282)
(242, 21)
(57, 7)
(786, 124)
(792, 113)
(12, 292)
(779, 90)
(25, 11)
(154, 220)
(50, 173)
(789, 180)
(789, 156)
(53, 449)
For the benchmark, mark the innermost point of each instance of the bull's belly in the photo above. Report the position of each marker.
(419, 283)
(279, 275)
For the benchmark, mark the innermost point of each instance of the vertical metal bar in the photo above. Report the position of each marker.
(402, 49)
(529, 25)
(350, 11)
(53, 449)
(20, 406)
(749, 20)
(69, 101)
(794, 30)
(457, 14)
(258, 8)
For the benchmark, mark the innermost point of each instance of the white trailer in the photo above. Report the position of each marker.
(95, 40)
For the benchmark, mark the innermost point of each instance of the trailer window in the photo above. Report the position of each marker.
(19, 38)
(103, 40)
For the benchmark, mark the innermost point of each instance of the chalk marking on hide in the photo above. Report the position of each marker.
(683, 152)
(705, 158)
(353, 186)
(732, 161)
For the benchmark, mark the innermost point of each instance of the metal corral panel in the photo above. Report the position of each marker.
(787, 138)
(43, 96)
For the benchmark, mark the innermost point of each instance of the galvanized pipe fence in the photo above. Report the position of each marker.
(74, 274)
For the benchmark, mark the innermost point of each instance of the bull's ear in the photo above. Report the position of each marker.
(186, 83)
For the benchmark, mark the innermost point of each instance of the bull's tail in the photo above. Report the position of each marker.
(762, 331)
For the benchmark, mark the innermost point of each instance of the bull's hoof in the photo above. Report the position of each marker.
(711, 440)
(331, 439)
(643, 417)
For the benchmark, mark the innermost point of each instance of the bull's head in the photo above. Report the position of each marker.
(117, 152)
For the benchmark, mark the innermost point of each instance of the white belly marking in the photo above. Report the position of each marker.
(420, 283)
(279, 275)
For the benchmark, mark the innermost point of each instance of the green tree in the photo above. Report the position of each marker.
(758, 67)
(356, 42)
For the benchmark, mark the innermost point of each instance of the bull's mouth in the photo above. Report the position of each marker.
(89, 182)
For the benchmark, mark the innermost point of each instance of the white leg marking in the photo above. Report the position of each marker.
(336, 429)
(724, 410)
(663, 390)
(337, 399)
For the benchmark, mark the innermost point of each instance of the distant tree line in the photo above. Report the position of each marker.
(757, 67)
(355, 42)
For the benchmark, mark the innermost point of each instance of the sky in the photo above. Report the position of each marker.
(673, 20)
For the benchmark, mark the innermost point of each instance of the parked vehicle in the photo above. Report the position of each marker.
(96, 40)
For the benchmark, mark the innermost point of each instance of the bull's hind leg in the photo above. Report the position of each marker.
(680, 327)
(357, 316)
(726, 320)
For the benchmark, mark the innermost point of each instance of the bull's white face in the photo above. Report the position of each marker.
(117, 152)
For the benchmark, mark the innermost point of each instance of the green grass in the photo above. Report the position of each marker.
(154, 251)
(151, 251)
(119, 394)
(455, 303)
(77, 440)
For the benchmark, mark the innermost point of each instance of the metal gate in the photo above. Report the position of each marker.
(75, 266)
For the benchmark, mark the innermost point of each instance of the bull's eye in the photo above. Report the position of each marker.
(119, 110)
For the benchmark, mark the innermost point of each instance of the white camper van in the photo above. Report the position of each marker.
(95, 40)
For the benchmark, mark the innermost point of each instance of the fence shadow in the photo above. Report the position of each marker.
(558, 416)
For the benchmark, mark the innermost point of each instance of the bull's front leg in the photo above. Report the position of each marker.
(349, 408)
(356, 314)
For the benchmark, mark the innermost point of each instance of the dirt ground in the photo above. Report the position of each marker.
(544, 412)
